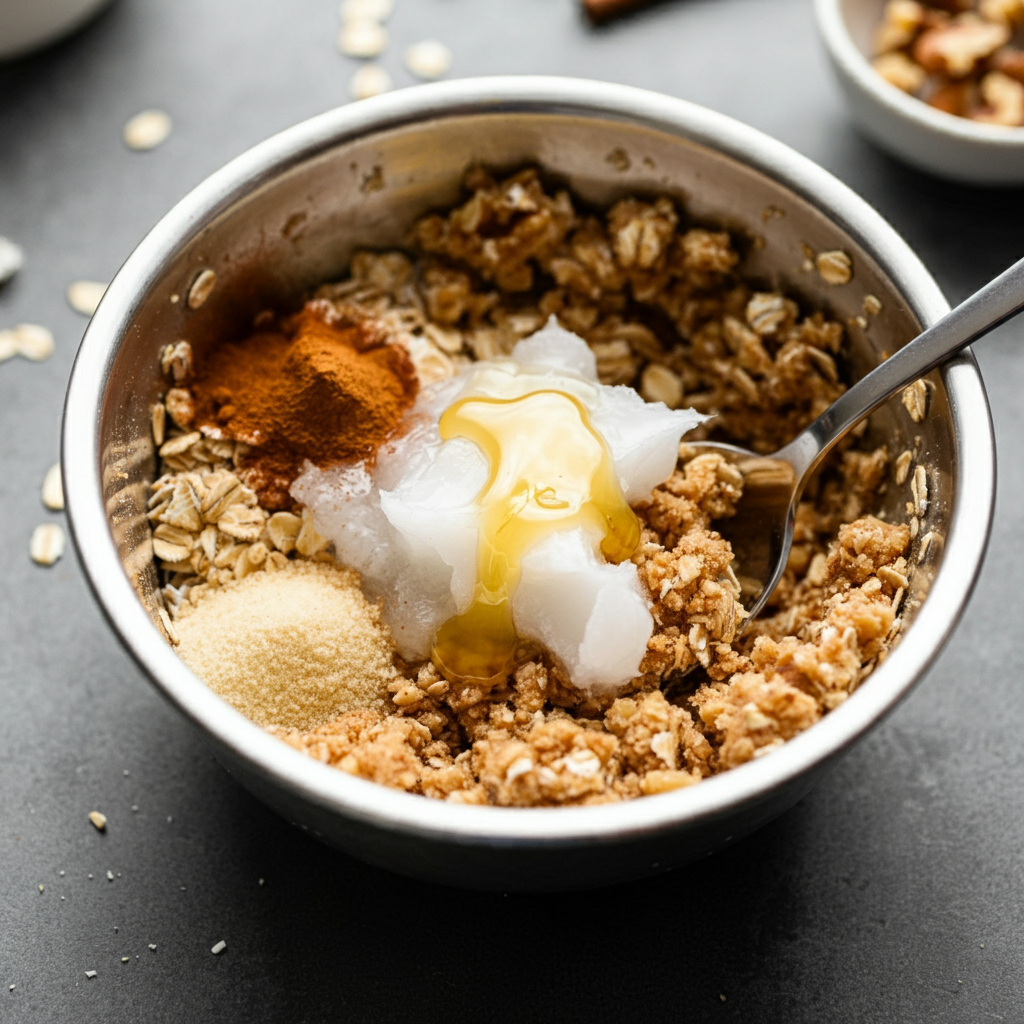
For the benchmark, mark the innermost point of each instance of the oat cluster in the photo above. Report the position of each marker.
(660, 303)
(956, 55)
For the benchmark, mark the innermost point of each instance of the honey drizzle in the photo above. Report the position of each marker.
(549, 471)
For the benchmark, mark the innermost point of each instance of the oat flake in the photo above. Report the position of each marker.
(200, 290)
(362, 37)
(428, 59)
(99, 819)
(84, 296)
(834, 267)
(53, 489)
(33, 342)
(11, 259)
(47, 544)
(377, 10)
(370, 80)
(146, 130)
(218, 947)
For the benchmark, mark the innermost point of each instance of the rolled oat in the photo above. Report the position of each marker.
(46, 544)
(369, 80)
(53, 489)
(147, 130)
(362, 37)
(11, 259)
(201, 288)
(428, 59)
(84, 296)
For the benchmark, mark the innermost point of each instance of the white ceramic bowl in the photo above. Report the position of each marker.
(28, 24)
(949, 146)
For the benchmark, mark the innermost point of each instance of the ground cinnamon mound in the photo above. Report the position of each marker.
(307, 388)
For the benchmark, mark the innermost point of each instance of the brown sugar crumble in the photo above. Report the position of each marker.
(295, 647)
(662, 307)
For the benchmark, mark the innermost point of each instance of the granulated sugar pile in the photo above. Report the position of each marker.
(293, 648)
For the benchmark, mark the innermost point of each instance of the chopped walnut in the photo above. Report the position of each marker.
(953, 54)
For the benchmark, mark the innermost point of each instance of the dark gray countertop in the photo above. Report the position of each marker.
(894, 892)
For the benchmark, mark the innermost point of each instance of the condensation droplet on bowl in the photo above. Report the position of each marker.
(428, 59)
(370, 80)
(147, 130)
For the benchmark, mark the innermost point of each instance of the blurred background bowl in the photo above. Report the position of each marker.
(26, 25)
(932, 140)
(287, 215)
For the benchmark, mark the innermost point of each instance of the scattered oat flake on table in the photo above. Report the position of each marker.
(11, 259)
(40, 887)
(370, 80)
(219, 947)
(428, 59)
(152, 946)
(110, 876)
(84, 296)
(90, 974)
(47, 544)
(32, 341)
(53, 489)
(362, 37)
(146, 130)
(377, 10)
(98, 819)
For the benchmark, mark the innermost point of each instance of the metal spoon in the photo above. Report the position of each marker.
(761, 532)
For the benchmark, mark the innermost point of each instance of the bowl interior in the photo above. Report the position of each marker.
(272, 247)
(287, 217)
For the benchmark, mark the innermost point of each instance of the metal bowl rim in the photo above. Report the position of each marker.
(401, 812)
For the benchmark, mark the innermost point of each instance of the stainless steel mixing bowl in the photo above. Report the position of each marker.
(287, 215)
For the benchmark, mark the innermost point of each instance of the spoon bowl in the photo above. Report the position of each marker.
(761, 531)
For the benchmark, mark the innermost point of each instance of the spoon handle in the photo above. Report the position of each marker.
(986, 309)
